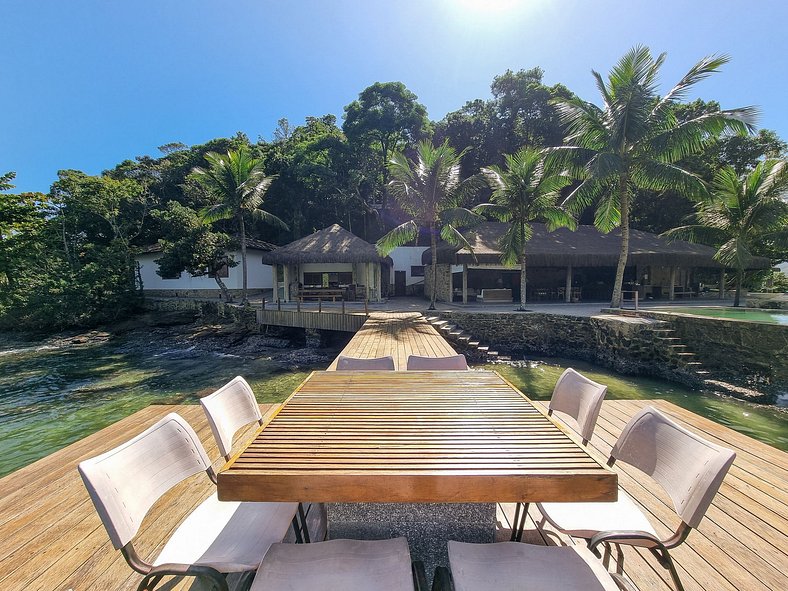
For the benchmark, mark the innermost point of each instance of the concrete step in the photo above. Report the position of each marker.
(465, 338)
(473, 344)
(685, 354)
(439, 323)
(455, 333)
(677, 346)
(448, 327)
(504, 358)
(432, 319)
(492, 354)
(483, 348)
(668, 339)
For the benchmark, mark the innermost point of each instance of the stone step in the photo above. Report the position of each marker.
(448, 327)
(492, 353)
(474, 343)
(677, 346)
(465, 338)
(483, 348)
(455, 333)
(432, 319)
(668, 339)
(439, 322)
(504, 358)
(685, 354)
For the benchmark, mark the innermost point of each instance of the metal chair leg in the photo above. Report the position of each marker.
(518, 524)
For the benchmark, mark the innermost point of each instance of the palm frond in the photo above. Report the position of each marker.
(499, 212)
(270, 219)
(214, 213)
(400, 235)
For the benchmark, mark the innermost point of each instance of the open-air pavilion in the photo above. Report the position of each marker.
(332, 262)
(569, 266)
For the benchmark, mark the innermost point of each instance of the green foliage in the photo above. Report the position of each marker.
(526, 191)
(386, 118)
(431, 192)
(745, 216)
(635, 141)
(238, 184)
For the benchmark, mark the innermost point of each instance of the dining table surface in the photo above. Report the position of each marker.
(413, 437)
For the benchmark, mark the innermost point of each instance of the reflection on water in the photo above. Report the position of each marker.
(51, 396)
(537, 378)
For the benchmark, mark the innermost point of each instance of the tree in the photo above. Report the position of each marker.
(385, 119)
(430, 190)
(745, 216)
(191, 245)
(526, 191)
(239, 183)
(635, 141)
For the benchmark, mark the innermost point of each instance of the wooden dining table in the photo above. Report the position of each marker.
(413, 437)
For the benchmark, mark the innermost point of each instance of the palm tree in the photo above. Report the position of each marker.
(741, 215)
(430, 191)
(635, 141)
(239, 184)
(527, 191)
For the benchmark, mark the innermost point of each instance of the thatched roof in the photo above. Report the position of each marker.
(330, 245)
(585, 247)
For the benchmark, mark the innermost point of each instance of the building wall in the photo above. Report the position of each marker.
(258, 276)
(405, 257)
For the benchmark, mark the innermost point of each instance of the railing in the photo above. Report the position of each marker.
(301, 316)
(635, 298)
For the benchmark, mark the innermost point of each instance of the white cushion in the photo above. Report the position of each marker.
(346, 565)
(228, 536)
(585, 520)
(512, 566)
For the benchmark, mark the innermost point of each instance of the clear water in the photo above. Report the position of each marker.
(54, 395)
(747, 314)
(537, 378)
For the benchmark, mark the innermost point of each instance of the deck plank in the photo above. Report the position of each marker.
(51, 538)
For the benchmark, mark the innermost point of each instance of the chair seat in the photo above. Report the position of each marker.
(585, 520)
(228, 536)
(349, 565)
(513, 566)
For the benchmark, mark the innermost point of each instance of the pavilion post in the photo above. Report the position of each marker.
(287, 282)
(464, 284)
(369, 266)
(722, 284)
(379, 280)
(275, 273)
(672, 290)
(568, 292)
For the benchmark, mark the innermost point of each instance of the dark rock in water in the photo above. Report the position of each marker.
(306, 357)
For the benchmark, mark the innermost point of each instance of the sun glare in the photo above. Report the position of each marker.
(486, 6)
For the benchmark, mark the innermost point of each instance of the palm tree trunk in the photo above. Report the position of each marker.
(434, 251)
(739, 280)
(242, 228)
(522, 282)
(615, 301)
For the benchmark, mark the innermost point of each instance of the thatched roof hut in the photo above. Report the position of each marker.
(330, 245)
(585, 247)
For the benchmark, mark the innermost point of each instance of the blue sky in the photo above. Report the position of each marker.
(86, 84)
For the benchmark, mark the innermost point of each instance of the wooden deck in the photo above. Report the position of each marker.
(396, 334)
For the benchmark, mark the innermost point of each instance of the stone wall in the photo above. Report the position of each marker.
(771, 301)
(444, 291)
(207, 310)
(200, 293)
(623, 344)
(734, 346)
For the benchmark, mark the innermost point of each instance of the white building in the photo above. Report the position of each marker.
(259, 275)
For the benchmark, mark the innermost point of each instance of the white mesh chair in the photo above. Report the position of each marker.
(215, 539)
(233, 407)
(688, 468)
(359, 364)
(577, 400)
(453, 362)
(349, 565)
(509, 566)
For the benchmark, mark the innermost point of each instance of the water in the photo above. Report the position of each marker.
(537, 378)
(748, 314)
(56, 394)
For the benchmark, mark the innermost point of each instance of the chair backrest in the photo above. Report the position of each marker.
(228, 409)
(453, 362)
(688, 467)
(580, 398)
(356, 363)
(125, 482)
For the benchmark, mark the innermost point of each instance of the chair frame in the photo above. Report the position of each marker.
(300, 530)
(586, 430)
(153, 574)
(660, 548)
(443, 580)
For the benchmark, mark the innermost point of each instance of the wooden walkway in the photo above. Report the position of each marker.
(398, 334)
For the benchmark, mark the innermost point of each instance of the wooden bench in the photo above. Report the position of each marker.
(321, 294)
(496, 295)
